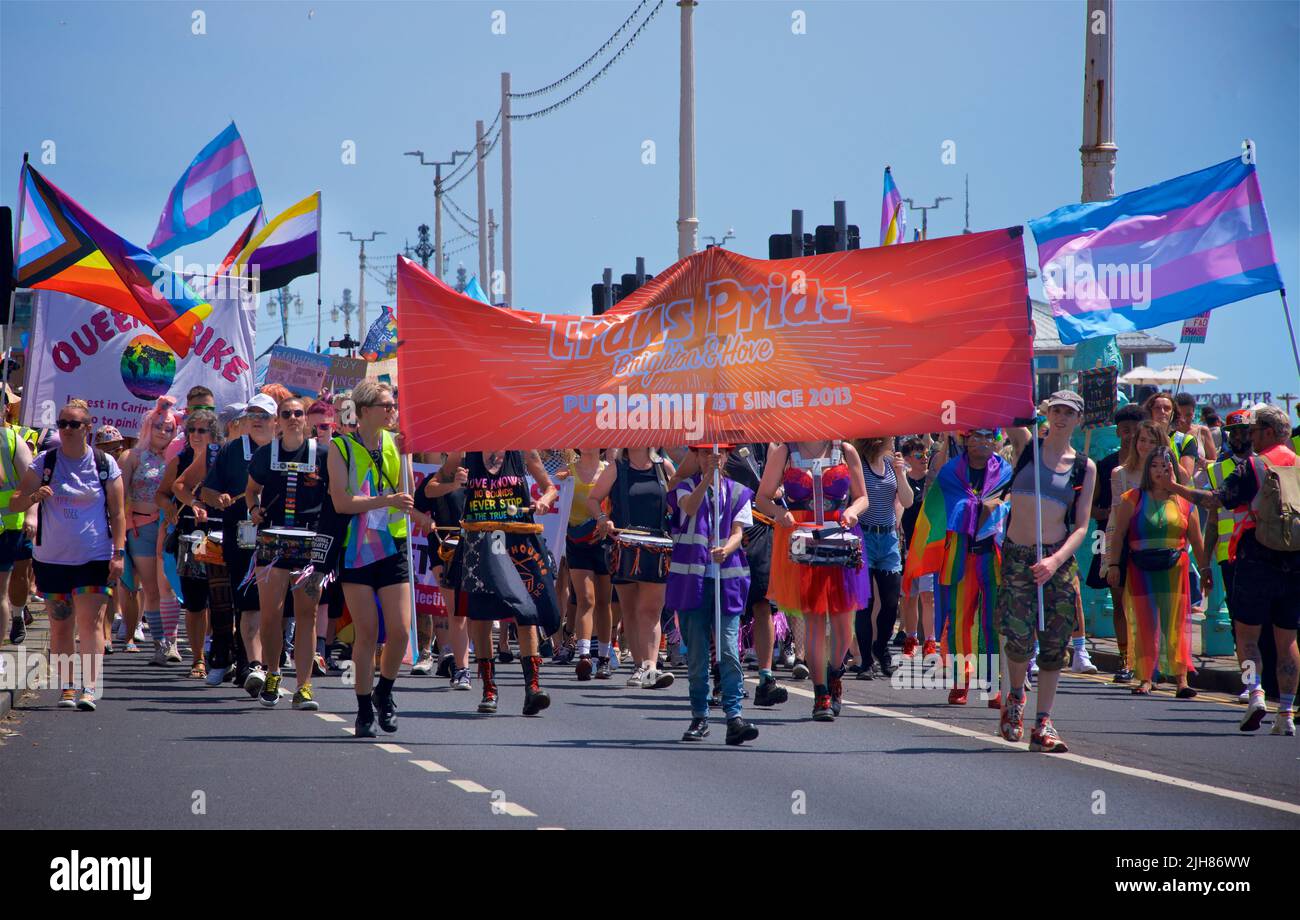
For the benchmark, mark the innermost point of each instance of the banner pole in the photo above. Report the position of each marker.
(320, 243)
(1290, 329)
(1038, 512)
(1178, 386)
(13, 294)
(408, 486)
(717, 537)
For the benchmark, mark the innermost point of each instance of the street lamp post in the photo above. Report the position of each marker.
(361, 291)
(925, 213)
(437, 198)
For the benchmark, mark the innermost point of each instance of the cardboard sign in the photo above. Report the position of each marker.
(1196, 329)
(303, 372)
(344, 373)
(1097, 387)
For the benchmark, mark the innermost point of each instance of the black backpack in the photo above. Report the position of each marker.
(1077, 474)
(47, 476)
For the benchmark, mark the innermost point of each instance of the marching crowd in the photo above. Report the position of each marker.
(269, 523)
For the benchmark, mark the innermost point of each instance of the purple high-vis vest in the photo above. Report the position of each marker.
(691, 542)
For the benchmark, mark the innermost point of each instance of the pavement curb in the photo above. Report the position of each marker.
(1216, 674)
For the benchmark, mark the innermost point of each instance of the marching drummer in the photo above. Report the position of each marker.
(286, 488)
(702, 557)
(829, 472)
(636, 482)
(502, 564)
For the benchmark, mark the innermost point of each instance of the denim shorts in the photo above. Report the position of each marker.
(881, 551)
(142, 542)
(922, 585)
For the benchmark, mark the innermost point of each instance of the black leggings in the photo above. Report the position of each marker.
(227, 643)
(875, 643)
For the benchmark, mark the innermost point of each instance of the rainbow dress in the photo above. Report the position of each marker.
(807, 590)
(1158, 604)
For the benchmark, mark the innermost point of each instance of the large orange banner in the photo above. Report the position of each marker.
(923, 336)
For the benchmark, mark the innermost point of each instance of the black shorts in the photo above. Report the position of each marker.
(237, 561)
(757, 543)
(14, 547)
(587, 557)
(195, 593)
(391, 570)
(52, 578)
(1263, 594)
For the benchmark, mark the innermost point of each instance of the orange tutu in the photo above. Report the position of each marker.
(815, 590)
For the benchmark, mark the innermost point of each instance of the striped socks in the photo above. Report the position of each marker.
(170, 613)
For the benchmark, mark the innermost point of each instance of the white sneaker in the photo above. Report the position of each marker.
(1284, 724)
(174, 654)
(657, 680)
(1081, 663)
(625, 656)
(1244, 696)
(637, 679)
(159, 654)
(424, 666)
(139, 632)
(1255, 711)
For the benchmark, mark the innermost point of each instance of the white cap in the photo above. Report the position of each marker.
(263, 402)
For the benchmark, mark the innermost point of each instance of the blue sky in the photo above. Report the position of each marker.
(129, 94)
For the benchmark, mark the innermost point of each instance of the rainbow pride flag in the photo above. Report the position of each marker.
(215, 188)
(893, 217)
(381, 339)
(1158, 255)
(951, 510)
(61, 247)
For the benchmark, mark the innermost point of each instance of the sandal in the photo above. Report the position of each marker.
(199, 670)
(1186, 693)
(1142, 689)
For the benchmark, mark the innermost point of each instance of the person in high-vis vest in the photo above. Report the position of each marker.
(15, 540)
(1266, 580)
(364, 474)
(1223, 522)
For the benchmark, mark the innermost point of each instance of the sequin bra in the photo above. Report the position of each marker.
(798, 481)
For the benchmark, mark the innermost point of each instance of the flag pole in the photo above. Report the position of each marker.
(320, 244)
(1179, 385)
(1289, 328)
(717, 536)
(1038, 511)
(408, 486)
(13, 294)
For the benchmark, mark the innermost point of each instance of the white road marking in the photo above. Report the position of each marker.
(430, 766)
(392, 748)
(467, 785)
(513, 810)
(550, 828)
(350, 730)
(1136, 772)
(330, 717)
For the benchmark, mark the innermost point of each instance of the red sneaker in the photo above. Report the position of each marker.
(995, 701)
(909, 646)
(1012, 724)
(1044, 739)
(822, 709)
(957, 696)
(930, 648)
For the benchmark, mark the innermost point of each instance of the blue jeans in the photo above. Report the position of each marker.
(697, 627)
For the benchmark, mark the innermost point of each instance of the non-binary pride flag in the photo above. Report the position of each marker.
(286, 248)
(893, 220)
(62, 248)
(1157, 255)
(215, 188)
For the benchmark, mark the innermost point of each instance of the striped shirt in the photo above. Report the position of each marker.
(881, 493)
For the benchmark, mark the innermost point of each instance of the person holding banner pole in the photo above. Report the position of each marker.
(708, 570)
(364, 470)
(1039, 595)
(445, 501)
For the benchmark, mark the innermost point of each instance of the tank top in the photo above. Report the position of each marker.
(645, 496)
(1056, 486)
(578, 513)
(882, 491)
(147, 477)
(492, 496)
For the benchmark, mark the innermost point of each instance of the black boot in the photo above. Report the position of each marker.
(698, 731)
(386, 705)
(739, 731)
(535, 698)
(822, 711)
(486, 672)
(770, 693)
(365, 727)
(17, 629)
(835, 686)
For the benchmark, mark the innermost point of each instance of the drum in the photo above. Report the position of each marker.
(285, 544)
(188, 565)
(208, 549)
(828, 546)
(638, 555)
(246, 535)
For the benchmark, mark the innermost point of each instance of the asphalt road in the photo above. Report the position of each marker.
(165, 751)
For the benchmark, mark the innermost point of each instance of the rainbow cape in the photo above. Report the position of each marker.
(952, 509)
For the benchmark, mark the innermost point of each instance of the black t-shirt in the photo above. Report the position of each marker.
(229, 473)
(911, 513)
(447, 510)
(1101, 497)
(647, 500)
(309, 488)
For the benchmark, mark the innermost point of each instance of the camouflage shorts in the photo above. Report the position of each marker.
(1017, 610)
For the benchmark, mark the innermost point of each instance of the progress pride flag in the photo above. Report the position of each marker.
(719, 347)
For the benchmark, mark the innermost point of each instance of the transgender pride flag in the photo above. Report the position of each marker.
(1158, 255)
(218, 186)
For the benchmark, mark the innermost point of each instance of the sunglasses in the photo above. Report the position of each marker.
(981, 436)
(70, 424)
(198, 406)
(919, 455)
(197, 430)
(324, 429)
(257, 415)
(292, 413)
(386, 406)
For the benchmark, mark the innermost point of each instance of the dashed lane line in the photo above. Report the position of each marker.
(392, 748)
(984, 737)
(330, 717)
(467, 785)
(430, 766)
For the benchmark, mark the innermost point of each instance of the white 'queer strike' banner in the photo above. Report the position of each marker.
(120, 366)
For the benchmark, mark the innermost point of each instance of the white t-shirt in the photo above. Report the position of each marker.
(74, 521)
